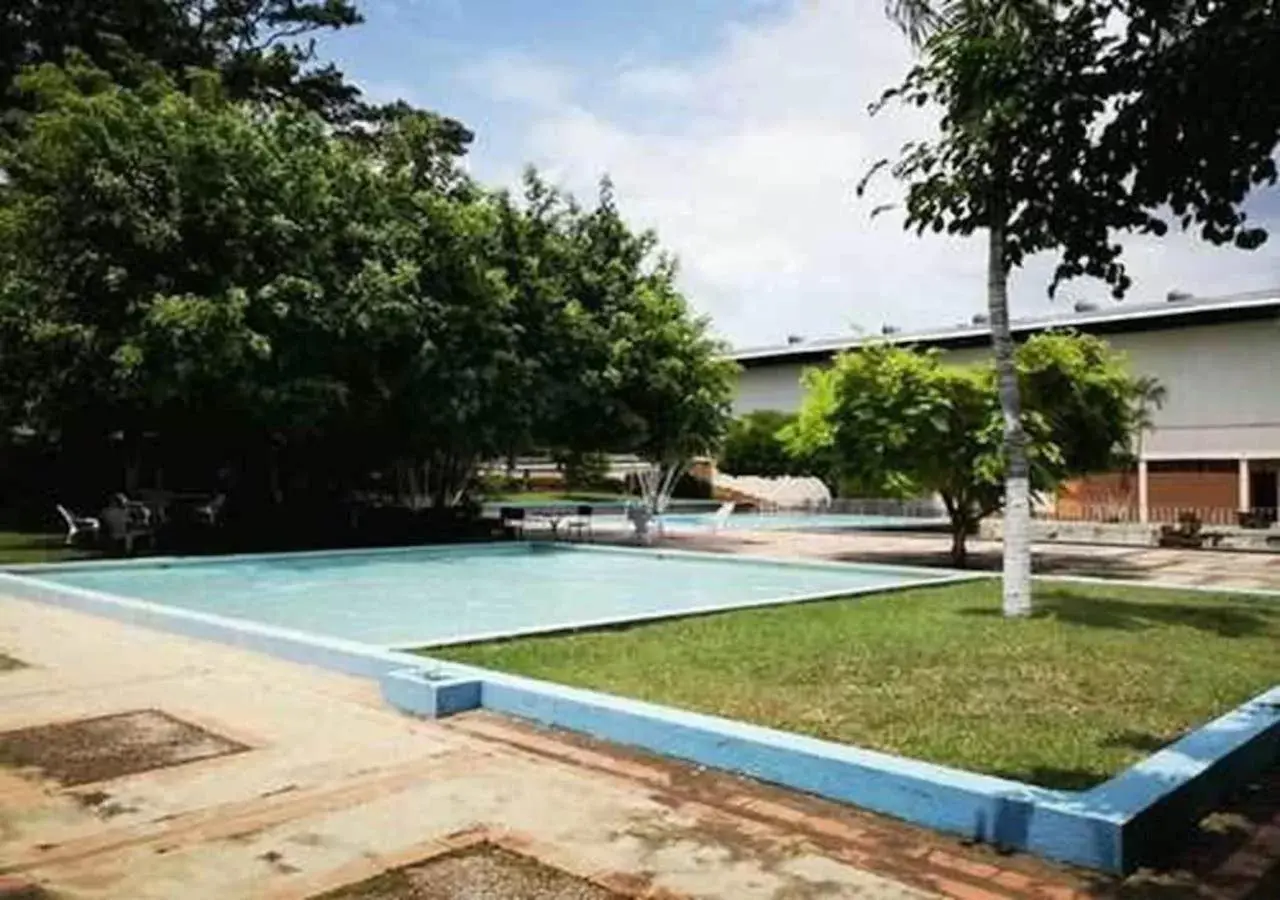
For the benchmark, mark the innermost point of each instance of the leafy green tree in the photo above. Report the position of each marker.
(237, 283)
(174, 263)
(1020, 87)
(1064, 122)
(623, 363)
(906, 423)
(262, 49)
(753, 445)
(1181, 148)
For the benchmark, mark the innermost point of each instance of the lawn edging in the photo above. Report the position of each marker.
(1113, 827)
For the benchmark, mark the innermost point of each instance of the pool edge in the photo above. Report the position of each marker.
(1112, 827)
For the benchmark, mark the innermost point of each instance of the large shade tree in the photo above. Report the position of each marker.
(1059, 128)
(907, 423)
(263, 49)
(626, 366)
(264, 52)
(1012, 81)
(182, 270)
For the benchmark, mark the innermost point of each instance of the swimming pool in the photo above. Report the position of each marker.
(825, 522)
(418, 597)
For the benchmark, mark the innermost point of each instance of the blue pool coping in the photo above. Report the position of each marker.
(1113, 827)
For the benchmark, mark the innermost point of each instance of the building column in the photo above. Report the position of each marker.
(1245, 500)
(1144, 513)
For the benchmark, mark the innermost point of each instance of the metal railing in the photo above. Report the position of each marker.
(926, 508)
(1122, 514)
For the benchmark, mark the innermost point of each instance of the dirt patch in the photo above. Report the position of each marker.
(485, 872)
(106, 747)
(8, 663)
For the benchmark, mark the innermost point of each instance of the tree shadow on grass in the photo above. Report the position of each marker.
(1224, 619)
(1142, 741)
(1055, 778)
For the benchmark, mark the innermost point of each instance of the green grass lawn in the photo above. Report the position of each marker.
(24, 547)
(1101, 677)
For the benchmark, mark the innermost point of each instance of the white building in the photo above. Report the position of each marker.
(1215, 444)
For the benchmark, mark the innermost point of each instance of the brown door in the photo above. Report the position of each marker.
(1264, 496)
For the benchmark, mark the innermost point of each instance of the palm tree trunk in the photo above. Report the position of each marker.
(1017, 502)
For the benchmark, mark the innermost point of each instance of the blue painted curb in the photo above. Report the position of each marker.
(432, 695)
(1113, 827)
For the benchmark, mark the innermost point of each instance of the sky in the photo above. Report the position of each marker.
(738, 130)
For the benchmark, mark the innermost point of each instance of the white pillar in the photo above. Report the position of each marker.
(1144, 511)
(1245, 500)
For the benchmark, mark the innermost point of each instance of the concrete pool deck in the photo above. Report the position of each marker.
(1160, 566)
(335, 787)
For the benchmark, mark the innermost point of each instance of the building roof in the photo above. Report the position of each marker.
(1180, 312)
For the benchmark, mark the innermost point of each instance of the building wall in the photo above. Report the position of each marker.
(1222, 387)
(1209, 488)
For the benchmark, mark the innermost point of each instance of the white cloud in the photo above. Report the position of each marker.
(515, 78)
(661, 82)
(745, 160)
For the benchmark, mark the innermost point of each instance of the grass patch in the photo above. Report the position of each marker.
(1099, 678)
(18, 547)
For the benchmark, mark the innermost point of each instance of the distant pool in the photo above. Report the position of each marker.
(441, 595)
(822, 522)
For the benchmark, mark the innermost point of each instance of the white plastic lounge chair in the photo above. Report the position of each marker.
(127, 521)
(77, 525)
(721, 517)
(209, 513)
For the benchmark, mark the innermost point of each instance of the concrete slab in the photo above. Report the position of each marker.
(1195, 568)
(336, 787)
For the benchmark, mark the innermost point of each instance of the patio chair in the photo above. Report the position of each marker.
(721, 517)
(210, 512)
(78, 525)
(127, 521)
(512, 517)
(580, 523)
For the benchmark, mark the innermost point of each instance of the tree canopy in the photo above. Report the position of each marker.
(907, 423)
(240, 283)
(754, 445)
(1066, 121)
(1091, 117)
(261, 48)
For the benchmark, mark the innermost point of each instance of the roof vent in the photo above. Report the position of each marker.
(1085, 306)
(889, 329)
(1178, 296)
(980, 319)
(793, 339)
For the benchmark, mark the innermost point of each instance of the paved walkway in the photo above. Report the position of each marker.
(1202, 568)
(335, 787)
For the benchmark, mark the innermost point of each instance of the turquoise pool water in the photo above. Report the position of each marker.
(428, 596)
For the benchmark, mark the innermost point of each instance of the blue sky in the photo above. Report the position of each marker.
(737, 128)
